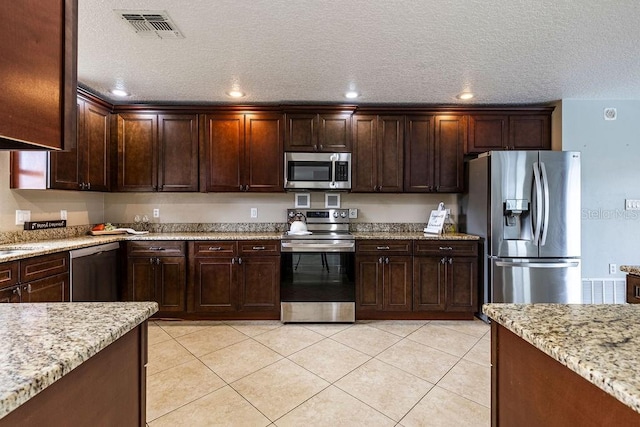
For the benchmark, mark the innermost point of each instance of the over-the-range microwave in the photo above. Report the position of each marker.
(317, 171)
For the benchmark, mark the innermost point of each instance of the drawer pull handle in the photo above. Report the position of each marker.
(215, 248)
(637, 291)
(156, 248)
(259, 248)
(382, 248)
(445, 248)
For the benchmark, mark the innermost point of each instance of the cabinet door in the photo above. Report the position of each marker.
(369, 279)
(178, 152)
(10, 294)
(65, 171)
(390, 153)
(429, 284)
(259, 283)
(170, 283)
(223, 152)
(214, 285)
(9, 274)
(137, 152)
(141, 279)
(334, 132)
(39, 58)
(301, 132)
(49, 289)
(531, 132)
(462, 284)
(364, 157)
(486, 133)
(262, 169)
(419, 172)
(451, 132)
(397, 283)
(93, 144)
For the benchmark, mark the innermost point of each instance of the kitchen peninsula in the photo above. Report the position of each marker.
(70, 363)
(559, 365)
(633, 283)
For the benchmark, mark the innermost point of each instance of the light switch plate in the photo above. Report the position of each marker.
(353, 213)
(632, 205)
(22, 217)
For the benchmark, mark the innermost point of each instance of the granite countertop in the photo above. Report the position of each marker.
(42, 342)
(601, 343)
(631, 269)
(43, 247)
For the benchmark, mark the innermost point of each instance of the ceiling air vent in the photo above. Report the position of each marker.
(150, 23)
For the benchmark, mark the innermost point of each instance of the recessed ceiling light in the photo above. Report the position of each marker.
(235, 93)
(465, 95)
(351, 94)
(119, 92)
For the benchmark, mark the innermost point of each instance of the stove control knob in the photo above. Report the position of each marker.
(335, 214)
(343, 214)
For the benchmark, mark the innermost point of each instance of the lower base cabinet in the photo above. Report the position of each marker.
(633, 289)
(39, 279)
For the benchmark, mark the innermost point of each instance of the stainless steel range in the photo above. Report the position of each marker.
(318, 268)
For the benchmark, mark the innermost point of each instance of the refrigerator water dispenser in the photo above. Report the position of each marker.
(514, 210)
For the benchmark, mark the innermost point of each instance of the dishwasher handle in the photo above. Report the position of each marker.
(94, 250)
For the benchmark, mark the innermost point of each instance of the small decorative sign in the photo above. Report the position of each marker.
(43, 225)
(436, 221)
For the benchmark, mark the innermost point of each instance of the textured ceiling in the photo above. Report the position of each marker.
(410, 52)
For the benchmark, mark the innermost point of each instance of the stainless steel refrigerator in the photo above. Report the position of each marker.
(526, 206)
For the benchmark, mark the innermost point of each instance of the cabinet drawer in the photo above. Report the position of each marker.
(376, 247)
(156, 248)
(8, 274)
(445, 247)
(43, 266)
(259, 247)
(214, 248)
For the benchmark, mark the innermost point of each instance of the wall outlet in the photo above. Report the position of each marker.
(353, 213)
(632, 205)
(156, 213)
(63, 214)
(613, 269)
(22, 217)
(254, 212)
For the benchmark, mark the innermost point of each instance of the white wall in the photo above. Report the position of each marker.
(610, 174)
(82, 207)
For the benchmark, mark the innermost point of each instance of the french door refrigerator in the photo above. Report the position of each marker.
(526, 206)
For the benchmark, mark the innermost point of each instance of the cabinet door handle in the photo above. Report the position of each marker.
(258, 248)
(380, 260)
(88, 186)
(157, 261)
(637, 291)
(450, 261)
(18, 291)
(215, 248)
(233, 261)
(382, 248)
(443, 260)
(239, 260)
(28, 288)
(386, 260)
(246, 187)
(445, 248)
(379, 187)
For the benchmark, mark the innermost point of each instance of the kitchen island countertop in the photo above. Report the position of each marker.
(40, 343)
(601, 343)
(631, 269)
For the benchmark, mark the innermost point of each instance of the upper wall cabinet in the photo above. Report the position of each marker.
(310, 131)
(157, 152)
(242, 152)
(378, 147)
(509, 131)
(39, 75)
(85, 166)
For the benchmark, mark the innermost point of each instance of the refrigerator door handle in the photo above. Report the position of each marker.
(538, 264)
(538, 201)
(545, 187)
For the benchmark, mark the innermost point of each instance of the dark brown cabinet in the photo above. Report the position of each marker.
(633, 289)
(383, 276)
(242, 152)
(434, 153)
(445, 276)
(39, 279)
(378, 150)
(157, 152)
(509, 132)
(326, 131)
(156, 271)
(85, 166)
(39, 56)
(235, 277)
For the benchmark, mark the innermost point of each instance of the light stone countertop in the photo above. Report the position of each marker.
(42, 342)
(631, 269)
(601, 343)
(43, 247)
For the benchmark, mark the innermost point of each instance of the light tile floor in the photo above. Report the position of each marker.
(372, 373)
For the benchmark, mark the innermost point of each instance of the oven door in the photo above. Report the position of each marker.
(317, 286)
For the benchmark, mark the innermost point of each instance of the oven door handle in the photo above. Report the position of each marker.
(318, 247)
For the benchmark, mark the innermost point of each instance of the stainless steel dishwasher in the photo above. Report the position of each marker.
(94, 273)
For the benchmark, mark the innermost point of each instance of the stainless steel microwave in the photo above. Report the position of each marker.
(317, 171)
